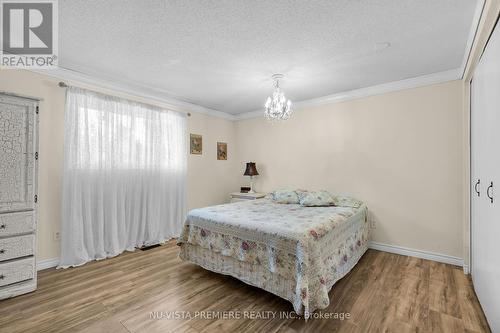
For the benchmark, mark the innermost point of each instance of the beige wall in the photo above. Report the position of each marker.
(209, 180)
(400, 152)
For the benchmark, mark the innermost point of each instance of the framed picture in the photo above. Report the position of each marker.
(221, 151)
(196, 144)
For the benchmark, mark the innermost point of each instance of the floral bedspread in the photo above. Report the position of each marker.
(311, 246)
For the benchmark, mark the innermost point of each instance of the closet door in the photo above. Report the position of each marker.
(485, 124)
(477, 174)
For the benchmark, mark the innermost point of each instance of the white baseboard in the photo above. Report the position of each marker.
(53, 262)
(417, 253)
(47, 263)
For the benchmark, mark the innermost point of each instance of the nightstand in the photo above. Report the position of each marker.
(237, 196)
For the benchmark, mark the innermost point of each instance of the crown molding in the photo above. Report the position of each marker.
(160, 97)
(476, 19)
(415, 82)
(152, 94)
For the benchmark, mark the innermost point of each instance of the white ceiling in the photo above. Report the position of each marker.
(220, 54)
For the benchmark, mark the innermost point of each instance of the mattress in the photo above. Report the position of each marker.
(295, 252)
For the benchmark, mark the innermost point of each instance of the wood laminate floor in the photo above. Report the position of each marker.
(384, 292)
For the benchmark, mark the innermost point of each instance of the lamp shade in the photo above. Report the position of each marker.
(251, 169)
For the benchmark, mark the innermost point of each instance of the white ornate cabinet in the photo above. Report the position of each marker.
(18, 194)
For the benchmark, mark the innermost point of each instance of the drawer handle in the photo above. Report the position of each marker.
(3, 226)
(488, 192)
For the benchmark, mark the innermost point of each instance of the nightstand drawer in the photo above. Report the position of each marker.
(16, 223)
(16, 247)
(17, 271)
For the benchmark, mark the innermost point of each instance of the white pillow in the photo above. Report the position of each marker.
(317, 199)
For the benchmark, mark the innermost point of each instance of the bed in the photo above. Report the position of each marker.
(294, 252)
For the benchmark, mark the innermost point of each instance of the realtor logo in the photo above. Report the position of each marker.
(29, 34)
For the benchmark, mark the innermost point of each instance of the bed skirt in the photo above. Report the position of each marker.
(259, 276)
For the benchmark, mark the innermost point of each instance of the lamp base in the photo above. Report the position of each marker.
(251, 185)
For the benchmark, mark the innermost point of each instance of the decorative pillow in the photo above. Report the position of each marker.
(301, 193)
(316, 199)
(342, 201)
(285, 197)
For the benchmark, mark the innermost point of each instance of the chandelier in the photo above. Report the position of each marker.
(277, 107)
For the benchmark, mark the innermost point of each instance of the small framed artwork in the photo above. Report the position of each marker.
(196, 144)
(221, 151)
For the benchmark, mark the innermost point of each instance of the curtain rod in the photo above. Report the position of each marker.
(65, 85)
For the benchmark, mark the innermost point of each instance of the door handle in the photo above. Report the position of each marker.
(475, 187)
(488, 192)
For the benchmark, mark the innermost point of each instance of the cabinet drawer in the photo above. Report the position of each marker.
(16, 223)
(17, 271)
(15, 247)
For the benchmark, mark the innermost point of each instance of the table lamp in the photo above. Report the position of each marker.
(251, 171)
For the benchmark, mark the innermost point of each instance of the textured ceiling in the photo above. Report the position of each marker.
(221, 54)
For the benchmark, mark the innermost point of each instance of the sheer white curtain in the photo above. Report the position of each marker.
(124, 176)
